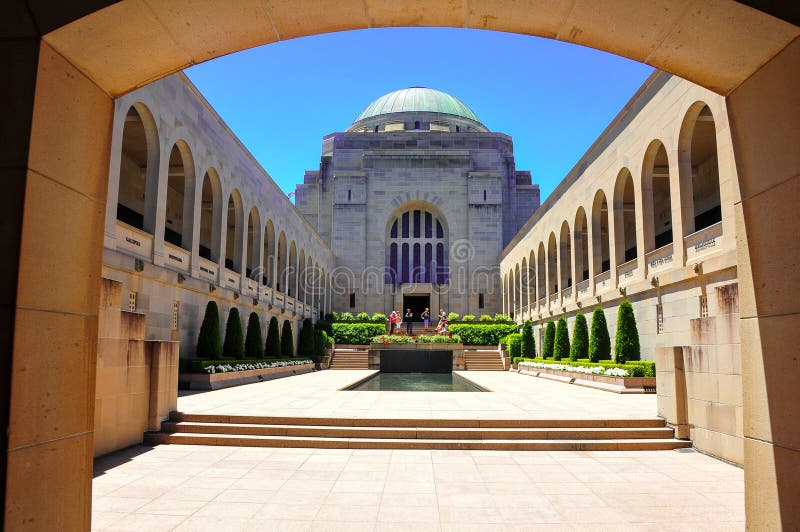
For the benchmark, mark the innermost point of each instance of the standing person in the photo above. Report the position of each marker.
(408, 317)
(426, 318)
(440, 323)
(392, 321)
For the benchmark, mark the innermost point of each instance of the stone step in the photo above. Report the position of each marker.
(382, 443)
(418, 423)
(250, 429)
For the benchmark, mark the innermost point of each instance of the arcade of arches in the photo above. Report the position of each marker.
(69, 63)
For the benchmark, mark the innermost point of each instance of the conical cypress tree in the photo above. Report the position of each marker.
(549, 340)
(234, 338)
(287, 340)
(626, 345)
(580, 339)
(528, 343)
(305, 341)
(561, 347)
(273, 349)
(254, 343)
(209, 343)
(599, 341)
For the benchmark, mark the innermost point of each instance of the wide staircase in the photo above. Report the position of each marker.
(515, 434)
(483, 358)
(350, 357)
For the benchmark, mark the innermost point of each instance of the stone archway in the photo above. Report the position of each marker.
(65, 70)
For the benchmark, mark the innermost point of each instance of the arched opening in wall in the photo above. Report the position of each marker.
(309, 282)
(268, 275)
(656, 194)
(280, 270)
(210, 215)
(581, 235)
(600, 236)
(291, 269)
(698, 155)
(180, 188)
(565, 263)
(624, 217)
(524, 281)
(301, 274)
(531, 280)
(138, 170)
(416, 246)
(541, 275)
(552, 266)
(513, 290)
(233, 233)
(253, 244)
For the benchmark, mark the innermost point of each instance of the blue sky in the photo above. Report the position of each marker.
(553, 98)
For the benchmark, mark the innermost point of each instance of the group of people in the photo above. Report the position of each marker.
(396, 320)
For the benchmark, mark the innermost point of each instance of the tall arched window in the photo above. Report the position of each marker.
(138, 170)
(410, 244)
(698, 162)
(180, 185)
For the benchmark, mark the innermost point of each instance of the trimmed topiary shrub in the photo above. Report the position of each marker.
(209, 343)
(378, 317)
(234, 337)
(356, 333)
(580, 339)
(254, 342)
(468, 317)
(287, 339)
(486, 317)
(482, 333)
(502, 318)
(626, 341)
(362, 316)
(453, 316)
(514, 345)
(549, 340)
(599, 341)
(561, 347)
(528, 342)
(305, 340)
(273, 348)
(346, 316)
(332, 316)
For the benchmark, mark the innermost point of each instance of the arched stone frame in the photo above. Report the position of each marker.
(281, 264)
(208, 217)
(438, 271)
(761, 90)
(505, 293)
(657, 211)
(301, 272)
(532, 302)
(513, 290)
(233, 234)
(186, 235)
(565, 260)
(580, 248)
(254, 245)
(151, 174)
(268, 257)
(541, 275)
(524, 281)
(697, 145)
(600, 257)
(624, 218)
(291, 271)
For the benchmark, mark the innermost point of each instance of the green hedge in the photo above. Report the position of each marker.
(209, 343)
(482, 333)
(626, 342)
(234, 337)
(549, 339)
(599, 341)
(528, 342)
(514, 345)
(287, 339)
(196, 365)
(579, 348)
(356, 333)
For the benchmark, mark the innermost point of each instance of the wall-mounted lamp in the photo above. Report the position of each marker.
(622, 290)
(138, 265)
(211, 288)
(236, 295)
(599, 298)
(255, 301)
(654, 281)
(181, 278)
(698, 268)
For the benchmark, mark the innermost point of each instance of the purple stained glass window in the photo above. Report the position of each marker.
(428, 225)
(405, 225)
(428, 261)
(404, 275)
(417, 264)
(393, 232)
(391, 274)
(416, 224)
(440, 274)
(439, 230)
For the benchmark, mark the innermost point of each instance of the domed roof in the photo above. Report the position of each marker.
(417, 99)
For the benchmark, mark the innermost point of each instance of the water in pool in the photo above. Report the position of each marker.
(415, 382)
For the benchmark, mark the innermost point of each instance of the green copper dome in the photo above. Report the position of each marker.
(417, 99)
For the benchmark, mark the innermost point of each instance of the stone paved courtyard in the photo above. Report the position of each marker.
(183, 487)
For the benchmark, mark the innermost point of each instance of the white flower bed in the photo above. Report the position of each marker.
(594, 370)
(227, 368)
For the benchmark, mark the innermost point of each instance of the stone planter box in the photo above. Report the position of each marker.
(216, 381)
(600, 382)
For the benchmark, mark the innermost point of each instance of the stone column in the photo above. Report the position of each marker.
(681, 219)
(764, 114)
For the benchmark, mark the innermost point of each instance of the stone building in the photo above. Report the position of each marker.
(416, 199)
(647, 214)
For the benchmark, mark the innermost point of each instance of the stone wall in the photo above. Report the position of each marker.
(137, 380)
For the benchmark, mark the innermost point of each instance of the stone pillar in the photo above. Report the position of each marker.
(678, 192)
(163, 382)
(671, 389)
(764, 114)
